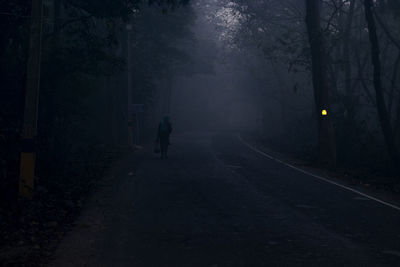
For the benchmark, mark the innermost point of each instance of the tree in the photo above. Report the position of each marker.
(347, 63)
(326, 137)
(379, 91)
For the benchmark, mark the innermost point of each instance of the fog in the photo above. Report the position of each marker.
(237, 66)
(199, 132)
(234, 87)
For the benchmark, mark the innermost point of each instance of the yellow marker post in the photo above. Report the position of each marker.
(27, 174)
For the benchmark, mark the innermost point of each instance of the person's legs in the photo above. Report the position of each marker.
(166, 151)
(163, 147)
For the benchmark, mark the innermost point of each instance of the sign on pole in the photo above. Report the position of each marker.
(137, 108)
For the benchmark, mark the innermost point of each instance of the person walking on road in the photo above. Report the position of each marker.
(164, 131)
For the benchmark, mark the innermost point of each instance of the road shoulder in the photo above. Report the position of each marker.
(335, 177)
(78, 245)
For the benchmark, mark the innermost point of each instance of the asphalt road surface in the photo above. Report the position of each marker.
(215, 202)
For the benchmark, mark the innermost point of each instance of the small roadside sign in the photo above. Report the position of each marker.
(137, 108)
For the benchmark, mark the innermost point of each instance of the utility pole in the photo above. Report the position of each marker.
(130, 115)
(28, 154)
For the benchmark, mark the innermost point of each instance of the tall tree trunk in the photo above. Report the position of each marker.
(380, 101)
(326, 135)
(109, 99)
(57, 14)
(347, 62)
(393, 87)
(168, 97)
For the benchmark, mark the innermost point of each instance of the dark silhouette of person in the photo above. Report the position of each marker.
(164, 131)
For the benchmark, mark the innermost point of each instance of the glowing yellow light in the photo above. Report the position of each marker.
(324, 112)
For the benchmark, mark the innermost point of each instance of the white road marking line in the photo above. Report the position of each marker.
(318, 177)
(305, 207)
(392, 252)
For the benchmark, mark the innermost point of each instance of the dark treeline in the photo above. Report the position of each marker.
(348, 51)
(82, 110)
(83, 106)
(318, 79)
(290, 62)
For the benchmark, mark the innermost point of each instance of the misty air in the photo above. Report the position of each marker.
(204, 133)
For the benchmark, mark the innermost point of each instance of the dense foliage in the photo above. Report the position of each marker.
(276, 32)
(83, 79)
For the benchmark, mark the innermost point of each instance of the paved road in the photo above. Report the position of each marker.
(215, 202)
